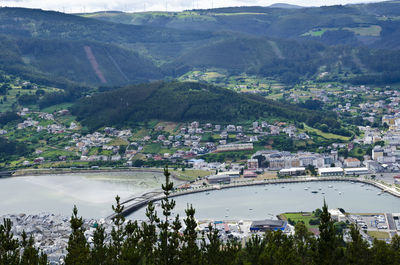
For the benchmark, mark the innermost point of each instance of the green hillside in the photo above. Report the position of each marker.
(176, 101)
(372, 24)
(69, 51)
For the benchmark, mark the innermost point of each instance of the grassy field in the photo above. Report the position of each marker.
(297, 217)
(373, 30)
(58, 107)
(118, 141)
(378, 234)
(325, 135)
(189, 174)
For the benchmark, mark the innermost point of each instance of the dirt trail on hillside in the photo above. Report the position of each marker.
(95, 65)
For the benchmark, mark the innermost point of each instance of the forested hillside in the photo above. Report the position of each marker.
(292, 45)
(186, 102)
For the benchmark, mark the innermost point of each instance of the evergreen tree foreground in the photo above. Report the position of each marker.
(162, 240)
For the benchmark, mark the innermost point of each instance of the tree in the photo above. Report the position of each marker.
(30, 254)
(149, 234)
(357, 251)
(78, 248)
(328, 241)
(304, 243)
(98, 254)
(9, 247)
(167, 205)
(117, 233)
(190, 253)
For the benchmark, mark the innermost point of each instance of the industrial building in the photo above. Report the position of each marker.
(330, 171)
(356, 171)
(268, 225)
(219, 179)
(294, 171)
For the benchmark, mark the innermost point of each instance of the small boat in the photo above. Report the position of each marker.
(362, 185)
(207, 193)
(250, 209)
(380, 193)
(283, 187)
(322, 192)
(340, 193)
(335, 188)
(314, 191)
(319, 188)
(330, 186)
(305, 188)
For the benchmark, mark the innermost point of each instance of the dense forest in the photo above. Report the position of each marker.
(166, 240)
(176, 101)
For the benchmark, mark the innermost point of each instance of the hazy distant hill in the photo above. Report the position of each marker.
(373, 24)
(287, 6)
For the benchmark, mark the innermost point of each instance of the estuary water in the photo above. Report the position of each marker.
(92, 193)
(266, 201)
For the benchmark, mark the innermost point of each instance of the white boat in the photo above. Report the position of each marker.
(305, 188)
(340, 193)
(330, 186)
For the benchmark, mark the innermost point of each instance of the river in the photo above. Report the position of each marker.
(92, 193)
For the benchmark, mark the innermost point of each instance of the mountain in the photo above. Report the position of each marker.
(288, 45)
(374, 24)
(286, 6)
(175, 101)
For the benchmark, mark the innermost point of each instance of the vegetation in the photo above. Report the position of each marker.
(176, 101)
(159, 241)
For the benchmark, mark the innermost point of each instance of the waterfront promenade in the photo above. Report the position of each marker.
(135, 203)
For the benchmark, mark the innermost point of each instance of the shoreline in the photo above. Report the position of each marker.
(61, 171)
(129, 209)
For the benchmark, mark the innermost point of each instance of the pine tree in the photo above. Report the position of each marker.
(78, 248)
(328, 241)
(164, 246)
(254, 247)
(131, 250)
(98, 254)
(30, 254)
(211, 250)
(357, 251)
(190, 253)
(149, 234)
(304, 242)
(117, 233)
(9, 247)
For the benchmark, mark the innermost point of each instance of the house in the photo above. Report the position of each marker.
(352, 162)
(252, 163)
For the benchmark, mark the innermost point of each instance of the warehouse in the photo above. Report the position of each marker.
(330, 171)
(219, 179)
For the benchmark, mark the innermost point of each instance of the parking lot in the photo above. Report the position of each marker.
(370, 222)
